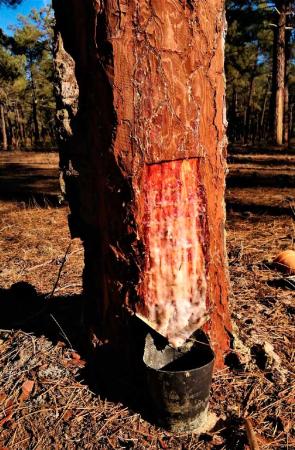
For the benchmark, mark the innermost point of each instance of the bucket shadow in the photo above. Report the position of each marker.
(118, 373)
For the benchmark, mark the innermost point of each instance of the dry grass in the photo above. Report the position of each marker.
(33, 242)
(33, 159)
(263, 315)
(265, 199)
(60, 412)
(263, 311)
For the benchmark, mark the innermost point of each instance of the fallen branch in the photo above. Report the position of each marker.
(251, 435)
(60, 271)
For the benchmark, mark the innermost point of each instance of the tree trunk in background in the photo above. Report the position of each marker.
(272, 101)
(3, 128)
(142, 132)
(286, 115)
(286, 89)
(262, 128)
(291, 120)
(232, 114)
(280, 75)
(20, 126)
(35, 120)
(25, 126)
(249, 101)
(248, 109)
(34, 106)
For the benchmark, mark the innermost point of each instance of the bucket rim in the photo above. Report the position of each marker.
(182, 371)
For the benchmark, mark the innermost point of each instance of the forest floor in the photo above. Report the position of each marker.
(46, 401)
(29, 176)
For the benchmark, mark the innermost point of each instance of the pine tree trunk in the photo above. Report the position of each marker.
(3, 128)
(232, 113)
(280, 75)
(34, 106)
(35, 120)
(23, 122)
(264, 108)
(19, 125)
(142, 132)
(286, 115)
(248, 109)
(249, 101)
(291, 120)
(286, 89)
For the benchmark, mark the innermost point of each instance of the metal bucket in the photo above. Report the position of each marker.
(178, 382)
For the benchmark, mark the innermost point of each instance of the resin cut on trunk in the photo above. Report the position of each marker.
(174, 285)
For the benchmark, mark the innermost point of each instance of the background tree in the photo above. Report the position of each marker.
(11, 70)
(252, 70)
(282, 65)
(29, 97)
(10, 2)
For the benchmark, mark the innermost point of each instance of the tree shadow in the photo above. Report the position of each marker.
(23, 182)
(114, 374)
(58, 318)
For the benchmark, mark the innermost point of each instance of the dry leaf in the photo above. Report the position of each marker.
(8, 413)
(74, 363)
(68, 414)
(27, 388)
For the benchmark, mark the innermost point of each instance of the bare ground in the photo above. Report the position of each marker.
(45, 398)
(29, 176)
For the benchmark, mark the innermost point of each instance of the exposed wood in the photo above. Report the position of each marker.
(147, 137)
(176, 233)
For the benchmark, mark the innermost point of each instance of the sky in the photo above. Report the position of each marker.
(8, 15)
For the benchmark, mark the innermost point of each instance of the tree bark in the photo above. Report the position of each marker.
(264, 109)
(286, 115)
(280, 75)
(3, 128)
(249, 100)
(248, 109)
(34, 105)
(291, 120)
(286, 90)
(20, 126)
(142, 135)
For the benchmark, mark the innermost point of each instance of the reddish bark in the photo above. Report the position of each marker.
(147, 146)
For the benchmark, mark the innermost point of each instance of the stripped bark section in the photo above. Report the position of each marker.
(174, 278)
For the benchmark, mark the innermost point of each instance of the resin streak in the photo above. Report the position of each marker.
(174, 283)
